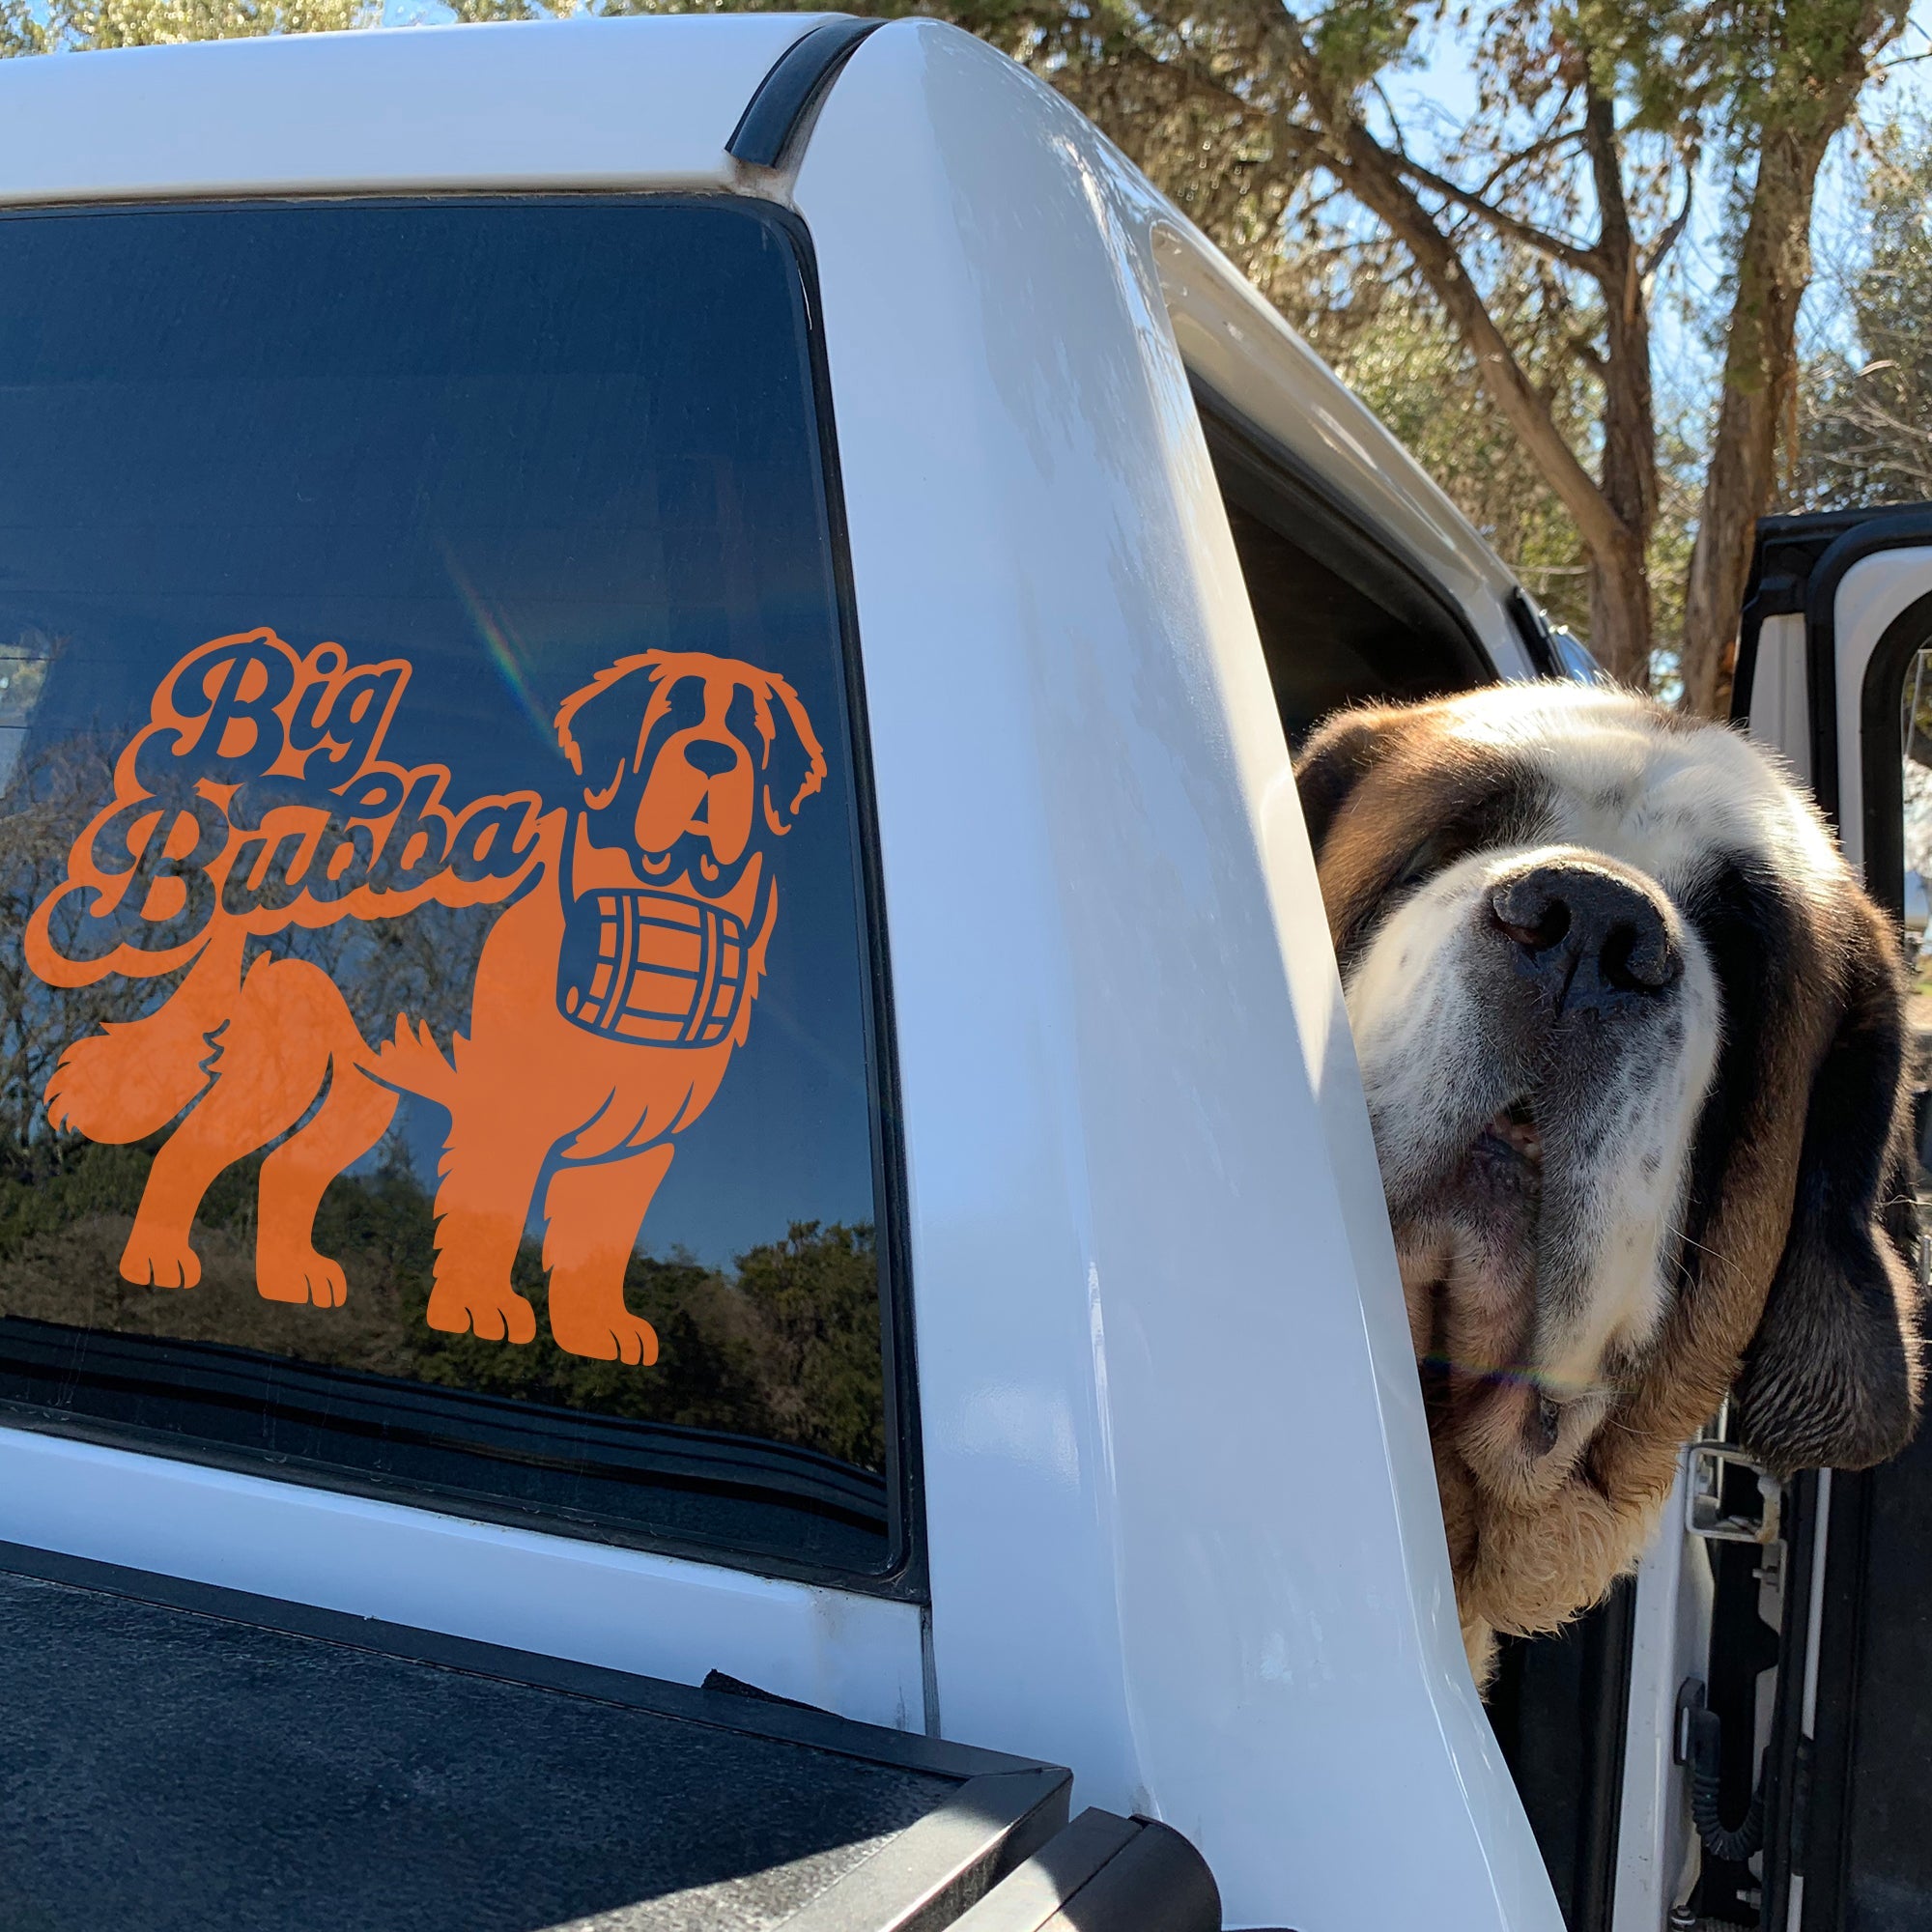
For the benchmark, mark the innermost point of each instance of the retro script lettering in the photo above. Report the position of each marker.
(258, 786)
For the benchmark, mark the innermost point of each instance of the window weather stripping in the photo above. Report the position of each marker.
(787, 95)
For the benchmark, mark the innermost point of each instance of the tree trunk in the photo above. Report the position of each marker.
(1611, 516)
(1620, 632)
(1761, 356)
(1620, 635)
(1760, 373)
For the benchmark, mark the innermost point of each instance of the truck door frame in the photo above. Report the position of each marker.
(1833, 611)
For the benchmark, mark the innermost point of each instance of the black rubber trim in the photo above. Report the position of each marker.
(1028, 1897)
(1350, 541)
(761, 1716)
(1884, 787)
(1533, 633)
(795, 85)
(1895, 531)
(924, 1877)
(214, 1377)
(1788, 1852)
(908, 1576)
(1596, 1875)
(1158, 1879)
(1104, 1874)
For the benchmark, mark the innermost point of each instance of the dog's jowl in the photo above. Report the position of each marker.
(1633, 1045)
(610, 992)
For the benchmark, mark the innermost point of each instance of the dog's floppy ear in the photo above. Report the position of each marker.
(794, 764)
(600, 729)
(1832, 1378)
(1340, 753)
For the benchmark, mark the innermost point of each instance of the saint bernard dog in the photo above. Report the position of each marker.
(1634, 1047)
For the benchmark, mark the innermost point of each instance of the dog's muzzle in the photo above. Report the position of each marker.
(650, 967)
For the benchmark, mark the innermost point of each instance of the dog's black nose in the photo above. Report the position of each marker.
(709, 756)
(1584, 935)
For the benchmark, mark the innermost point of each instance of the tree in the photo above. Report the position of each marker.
(1350, 295)
(1793, 101)
(69, 24)
(1866, 405)
(1573, 180)
(1539, 230)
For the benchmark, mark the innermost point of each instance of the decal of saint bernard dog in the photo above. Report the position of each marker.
(1635, 1049)
(610, 992)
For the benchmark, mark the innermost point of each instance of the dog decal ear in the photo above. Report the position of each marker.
(1832, 1378)
(1333, 763)
(794, 765)
(601, 739)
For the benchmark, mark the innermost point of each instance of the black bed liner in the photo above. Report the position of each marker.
(174, 1757)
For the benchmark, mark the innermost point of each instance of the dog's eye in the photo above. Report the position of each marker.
(1425, 859)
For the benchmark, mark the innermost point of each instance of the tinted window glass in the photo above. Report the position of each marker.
(439, 1056)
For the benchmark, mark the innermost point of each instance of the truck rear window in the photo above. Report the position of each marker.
(441, 1048)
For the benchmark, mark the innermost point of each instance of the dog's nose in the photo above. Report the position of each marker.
(709, 756)
(1585, 936)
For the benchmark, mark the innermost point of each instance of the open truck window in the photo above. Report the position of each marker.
(1341, 620)
(443, 1040)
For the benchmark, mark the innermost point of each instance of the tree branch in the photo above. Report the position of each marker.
(1376, 178)
(1547, 145)
(1661, 248)
(1555, 248)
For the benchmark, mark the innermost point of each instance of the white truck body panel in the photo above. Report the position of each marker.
(1181, 1513)
(593, 1602)
(572, 106)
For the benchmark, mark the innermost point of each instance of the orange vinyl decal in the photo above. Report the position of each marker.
(610, 993)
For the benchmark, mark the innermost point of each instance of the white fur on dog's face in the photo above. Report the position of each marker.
(1536, 1283)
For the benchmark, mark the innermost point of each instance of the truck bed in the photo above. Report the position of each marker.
(174, 1757)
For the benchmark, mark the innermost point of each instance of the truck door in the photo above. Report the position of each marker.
(1836, 668)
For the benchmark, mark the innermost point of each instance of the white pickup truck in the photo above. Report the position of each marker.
(751, 567)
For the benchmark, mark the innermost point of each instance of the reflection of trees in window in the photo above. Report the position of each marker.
(23, 677)
(51, 795)
(783, 1347)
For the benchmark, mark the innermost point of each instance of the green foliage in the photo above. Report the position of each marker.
(1865, 407)
(1393, 348)
(785, 1347)
(1358, 39)
(71, 24)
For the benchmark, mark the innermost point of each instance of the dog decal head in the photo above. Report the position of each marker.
(701, 758)
(691, 766)
(1632, 1041)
